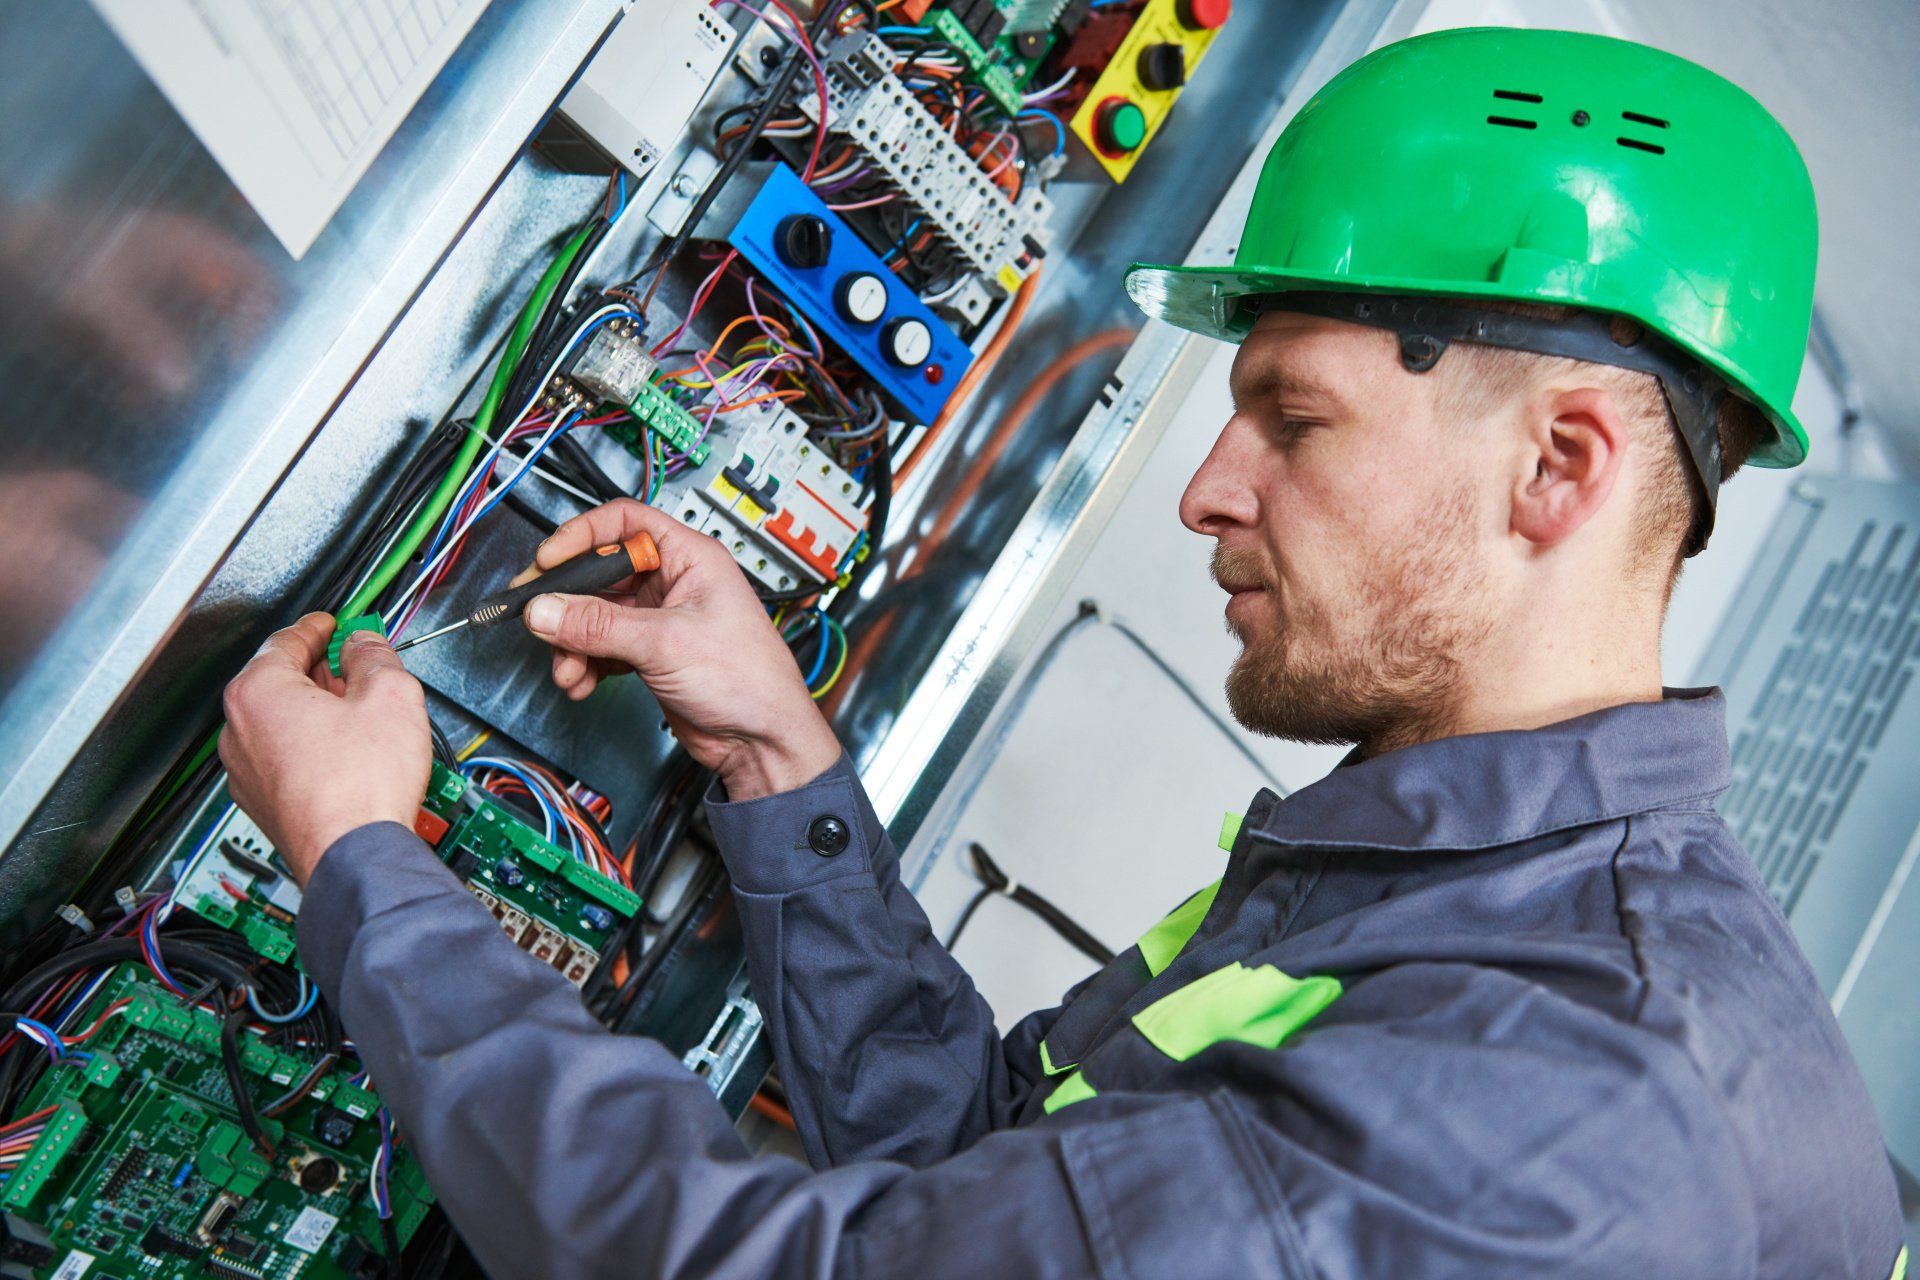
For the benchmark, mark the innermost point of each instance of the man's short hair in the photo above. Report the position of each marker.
(1671, 500)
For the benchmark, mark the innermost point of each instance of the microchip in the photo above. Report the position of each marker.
(161, 1243)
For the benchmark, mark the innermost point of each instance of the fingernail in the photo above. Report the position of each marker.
(364, 637)
(544, 614)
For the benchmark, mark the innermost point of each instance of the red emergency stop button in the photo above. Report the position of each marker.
(1205, 15)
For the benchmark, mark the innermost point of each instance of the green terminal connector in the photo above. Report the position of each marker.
(654, 408)
(62, 1130)
(993, 78)
(346, 627)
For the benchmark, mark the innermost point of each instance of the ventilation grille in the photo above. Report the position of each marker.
(1824, 707)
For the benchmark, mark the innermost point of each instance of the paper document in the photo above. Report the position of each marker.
(294, 98)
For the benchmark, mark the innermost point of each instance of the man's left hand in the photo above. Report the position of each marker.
(311, 756)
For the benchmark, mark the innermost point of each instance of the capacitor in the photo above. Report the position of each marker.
(508, 873)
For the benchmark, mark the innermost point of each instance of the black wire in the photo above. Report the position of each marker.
(544, 342)
(442, 749)
(776, 96)
(390, 1246)
(705, 880)
(237, 1080)
(596, 481)
(994, 880)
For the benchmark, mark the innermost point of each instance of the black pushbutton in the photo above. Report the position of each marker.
(828, 836)
(805, 241)
(1163, 66)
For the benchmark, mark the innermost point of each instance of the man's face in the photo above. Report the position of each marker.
(1353, 527)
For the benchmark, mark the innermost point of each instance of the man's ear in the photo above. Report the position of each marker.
(1576, 444)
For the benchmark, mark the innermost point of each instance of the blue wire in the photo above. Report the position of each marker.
(1059, 130)
(55, 1050)
(306, 1006)
(508, 766)
(820, 663)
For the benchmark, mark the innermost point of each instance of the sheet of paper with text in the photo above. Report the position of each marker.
(294, 98)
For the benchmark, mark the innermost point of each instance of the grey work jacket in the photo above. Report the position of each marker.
(1503, 1005)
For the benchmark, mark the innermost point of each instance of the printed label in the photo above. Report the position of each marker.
(73, 1266)
(310, 1230)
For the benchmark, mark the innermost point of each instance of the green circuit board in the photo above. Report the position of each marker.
(143, 1170)
(558, 908)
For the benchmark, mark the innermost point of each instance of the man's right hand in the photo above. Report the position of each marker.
(696, 633)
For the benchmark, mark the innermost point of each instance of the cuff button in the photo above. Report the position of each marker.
(828, 836)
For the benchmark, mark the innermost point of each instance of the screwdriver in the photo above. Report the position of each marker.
(586, 573)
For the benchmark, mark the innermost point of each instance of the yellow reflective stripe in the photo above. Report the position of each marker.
(1160, 944)
(1230, 829)
(1260, 1006)
(1900, 1266)
(1073, 1089)
(1047, 1064)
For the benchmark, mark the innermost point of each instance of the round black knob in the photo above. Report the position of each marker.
(805, 241)
(908, 342)
(828, 836)
(1163, 66)
(861, 297)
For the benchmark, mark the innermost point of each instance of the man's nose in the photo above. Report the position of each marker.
(1221, 495)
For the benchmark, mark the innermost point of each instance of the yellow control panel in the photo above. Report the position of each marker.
(1133, 95)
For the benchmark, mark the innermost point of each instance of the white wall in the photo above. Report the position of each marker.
(1108, 795)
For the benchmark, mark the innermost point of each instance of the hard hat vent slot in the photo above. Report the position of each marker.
(1637, 118)
(1512, 123)
(1638, 145)
(1517, 95)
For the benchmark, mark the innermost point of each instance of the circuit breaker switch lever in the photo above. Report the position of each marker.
(592, 571)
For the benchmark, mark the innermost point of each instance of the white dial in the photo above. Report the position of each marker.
(909, 342)
(861, 297)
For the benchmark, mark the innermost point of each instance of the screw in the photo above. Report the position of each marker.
(1580, 119)
(684, 186)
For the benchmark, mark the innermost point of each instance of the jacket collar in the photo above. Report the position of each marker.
(1486, 789)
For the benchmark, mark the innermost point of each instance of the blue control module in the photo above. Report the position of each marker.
(842, 286)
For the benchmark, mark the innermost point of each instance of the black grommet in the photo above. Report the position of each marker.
(828, 836)
(1580, 119)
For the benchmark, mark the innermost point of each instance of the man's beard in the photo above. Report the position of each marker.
(1389, 676)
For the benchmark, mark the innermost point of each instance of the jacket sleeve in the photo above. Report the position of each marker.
(886, 1050)
(560, 1150)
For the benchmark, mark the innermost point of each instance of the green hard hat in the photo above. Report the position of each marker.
(1537, 166)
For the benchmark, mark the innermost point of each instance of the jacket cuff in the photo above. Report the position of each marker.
(792, 840)
(366, 872)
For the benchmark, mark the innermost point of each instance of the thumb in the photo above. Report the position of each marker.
(366, 659)
(592, 626)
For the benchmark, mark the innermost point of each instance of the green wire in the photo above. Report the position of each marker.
(423, 523)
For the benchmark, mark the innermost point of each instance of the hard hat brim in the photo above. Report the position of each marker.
(1211, 301)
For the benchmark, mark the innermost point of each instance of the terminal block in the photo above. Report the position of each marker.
(1130, 99)
(777, 501)
(1001, 239)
